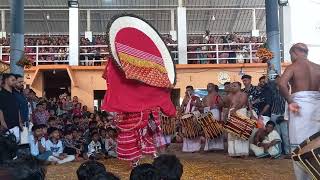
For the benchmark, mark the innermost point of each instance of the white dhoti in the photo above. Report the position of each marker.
(304, 124)
(167, 139)
(191, 145)
(216, 143)
(236, 145)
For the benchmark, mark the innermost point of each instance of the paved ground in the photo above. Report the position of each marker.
(198, 166)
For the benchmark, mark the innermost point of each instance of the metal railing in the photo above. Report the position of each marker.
(219, 53)
(96, 54)
(59, 54)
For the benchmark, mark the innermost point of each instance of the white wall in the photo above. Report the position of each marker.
(302, 24)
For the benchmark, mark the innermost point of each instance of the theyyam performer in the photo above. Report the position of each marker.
(139, 80)
(304, 102)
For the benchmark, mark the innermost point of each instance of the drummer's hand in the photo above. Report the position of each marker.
(294, 107)
(233, 112)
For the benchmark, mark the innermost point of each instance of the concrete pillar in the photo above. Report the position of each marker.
(73, 33)
(88, 20)
(17, 35)
(254, 22)
(3, 20)
(273, 36)
(182, 33)
(172, 20)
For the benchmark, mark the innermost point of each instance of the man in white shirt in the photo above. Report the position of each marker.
(37, 144)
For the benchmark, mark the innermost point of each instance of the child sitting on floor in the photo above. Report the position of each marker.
(94, 148)
(70, 145)
(111, 143)
(54, 145)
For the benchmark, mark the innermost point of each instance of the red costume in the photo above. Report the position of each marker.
(138, 82)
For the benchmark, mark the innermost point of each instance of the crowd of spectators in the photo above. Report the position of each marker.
(59, 54)
(232, 49)
(197, 54)
(60, 130)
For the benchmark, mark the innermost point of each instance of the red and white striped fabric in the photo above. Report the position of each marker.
(135, 137)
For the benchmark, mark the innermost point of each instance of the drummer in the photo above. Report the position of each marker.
(191, 104)
(238, 105)
(213, 103)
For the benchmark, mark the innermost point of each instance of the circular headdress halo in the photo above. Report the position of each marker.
(140, 51)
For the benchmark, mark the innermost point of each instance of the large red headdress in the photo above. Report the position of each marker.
(145, 71)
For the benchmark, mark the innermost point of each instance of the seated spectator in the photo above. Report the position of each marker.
(267, 142)
(85, 112)
(169, 166)
(103, 134)
(88, 132)
(70, 145)
(52, 122)
(94, 148)
(44, 129)
(40, 115)
(111, 142)
(37, 144)
(89, 169)
(76, 111)
(54, 144)
(145, 172)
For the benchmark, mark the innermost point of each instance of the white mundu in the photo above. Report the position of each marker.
(304, 124)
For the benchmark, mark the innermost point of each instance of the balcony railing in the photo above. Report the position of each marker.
(96, 54)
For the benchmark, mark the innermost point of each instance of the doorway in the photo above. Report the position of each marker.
(56, 82)
(98, 99)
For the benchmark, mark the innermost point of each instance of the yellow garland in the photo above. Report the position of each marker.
(264, 54)
(141, 62)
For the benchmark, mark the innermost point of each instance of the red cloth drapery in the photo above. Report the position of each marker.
(126, 95)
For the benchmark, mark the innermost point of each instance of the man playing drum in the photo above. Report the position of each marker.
(191, 104)
(304, 102)
(213, 103)
(238, 105)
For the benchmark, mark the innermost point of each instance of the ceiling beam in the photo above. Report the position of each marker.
(136, 9)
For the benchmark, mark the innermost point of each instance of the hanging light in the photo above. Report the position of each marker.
(213, 18)
(48, 16)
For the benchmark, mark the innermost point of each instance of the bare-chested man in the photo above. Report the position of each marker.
(213, 103)
(191, 104)
(238, 104)
(304, 102)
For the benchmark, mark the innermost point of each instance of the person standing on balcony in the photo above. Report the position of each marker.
(223, 54)
(191, 104)
(192, 55)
